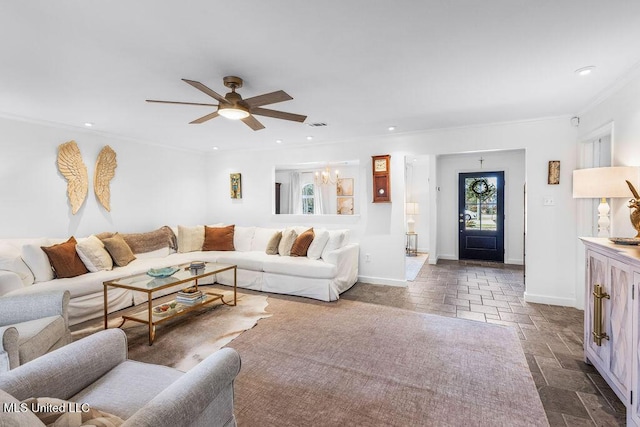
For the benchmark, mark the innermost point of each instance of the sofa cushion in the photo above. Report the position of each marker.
(57, 412)
(218, 238)
(274, 242)
(320, 239)
(37, 260)
(190, 238)
(261, 237)
(158, 253)
(337, 240)
(299, 266)
(289, 236)
(127, 387)
(302, 242)
(245, 260)
(151, 241)
(11, 260)
(119, 250)
(65, 260)
(93, 254)
(37, 337)
(242, 238)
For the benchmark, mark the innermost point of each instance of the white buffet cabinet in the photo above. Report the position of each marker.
(611, 318)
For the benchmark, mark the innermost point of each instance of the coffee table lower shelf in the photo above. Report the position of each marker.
(184, 274)
(143, 316)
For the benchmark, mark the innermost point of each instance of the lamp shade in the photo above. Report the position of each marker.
(595, 183)
(412, 208)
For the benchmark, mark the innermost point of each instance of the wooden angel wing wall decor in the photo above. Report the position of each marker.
(105, 171)
(73, 169)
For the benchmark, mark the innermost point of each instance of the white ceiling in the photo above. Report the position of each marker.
(357, 65)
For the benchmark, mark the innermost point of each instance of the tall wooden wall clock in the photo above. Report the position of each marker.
(381, 179)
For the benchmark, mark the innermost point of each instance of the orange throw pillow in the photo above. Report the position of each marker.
(65, 260)
(302, 243)
(218, 238)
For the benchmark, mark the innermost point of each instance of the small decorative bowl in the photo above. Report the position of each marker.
(162, 272)
(165, 309)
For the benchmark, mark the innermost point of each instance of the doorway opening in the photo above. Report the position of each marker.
(481, 216)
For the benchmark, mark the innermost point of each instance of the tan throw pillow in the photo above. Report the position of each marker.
(65, 260)
(57, 412)
(272, 246)
(218, 238)
(302, 242)
(93, 254)
(190, 239)
(288, 237)
(119, 250)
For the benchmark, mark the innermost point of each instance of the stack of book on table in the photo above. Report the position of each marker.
(190, 296)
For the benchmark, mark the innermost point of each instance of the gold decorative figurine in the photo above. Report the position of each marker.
(635, 213)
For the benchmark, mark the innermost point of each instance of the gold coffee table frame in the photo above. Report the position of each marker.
(149, 285)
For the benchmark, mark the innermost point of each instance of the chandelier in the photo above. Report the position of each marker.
(326, 177)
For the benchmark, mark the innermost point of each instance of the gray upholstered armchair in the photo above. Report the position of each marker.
(32, 325)
(95, 372)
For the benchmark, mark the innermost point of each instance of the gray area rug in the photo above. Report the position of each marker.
(355, 364)
(185, 341)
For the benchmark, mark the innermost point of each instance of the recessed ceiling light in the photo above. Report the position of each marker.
(391, 128)
(309, 138)
(215, 148)
(585, 71)
(278, 141)
(87, 124)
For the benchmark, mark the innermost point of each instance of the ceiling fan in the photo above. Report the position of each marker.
(232, 106)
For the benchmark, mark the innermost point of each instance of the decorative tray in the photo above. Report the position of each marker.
(166, 309)
(162, 272)
(625, 240)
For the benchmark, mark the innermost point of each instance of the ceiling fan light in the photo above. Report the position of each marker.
(233, 112)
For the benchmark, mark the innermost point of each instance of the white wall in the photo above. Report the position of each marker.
(418, 190)
(449, 166)
(620, 112)
(380, 228)
(153, 186)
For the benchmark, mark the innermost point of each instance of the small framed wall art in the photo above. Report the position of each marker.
(345, 205)
(554, 172)
(236, 185)
(345, 187)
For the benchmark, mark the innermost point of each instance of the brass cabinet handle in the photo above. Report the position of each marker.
(598, 333)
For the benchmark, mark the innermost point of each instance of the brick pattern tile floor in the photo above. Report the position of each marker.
(572, 392)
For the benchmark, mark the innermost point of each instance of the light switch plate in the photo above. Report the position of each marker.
(548, 201)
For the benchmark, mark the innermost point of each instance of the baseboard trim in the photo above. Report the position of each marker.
(543, 299)
(448, 257)
(514, 261)
(382, 281)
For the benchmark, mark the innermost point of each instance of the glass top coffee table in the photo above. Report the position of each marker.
(145, 283)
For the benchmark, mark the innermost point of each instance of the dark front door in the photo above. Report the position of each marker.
(481, 216)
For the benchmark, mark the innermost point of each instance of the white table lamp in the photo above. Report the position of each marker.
(603, 183)
(411, 209)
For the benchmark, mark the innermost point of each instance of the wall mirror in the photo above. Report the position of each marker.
(318, 188)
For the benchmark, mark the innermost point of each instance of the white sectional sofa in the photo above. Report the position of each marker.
(323, 279)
